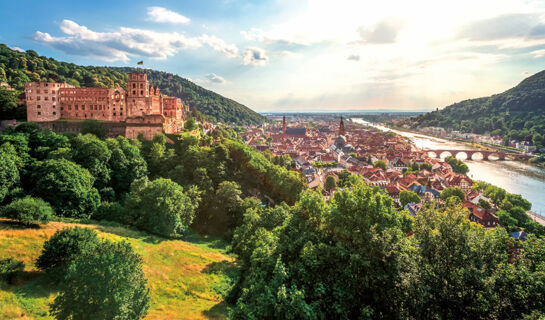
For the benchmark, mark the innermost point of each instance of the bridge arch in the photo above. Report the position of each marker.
(461, 155)
(432, 154)
(493, 156)
(477, 156)
(445, 154)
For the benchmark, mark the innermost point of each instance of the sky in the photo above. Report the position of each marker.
(285, 55)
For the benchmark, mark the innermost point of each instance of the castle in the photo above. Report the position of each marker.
(141, 109)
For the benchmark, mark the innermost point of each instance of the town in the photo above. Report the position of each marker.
(332, 149)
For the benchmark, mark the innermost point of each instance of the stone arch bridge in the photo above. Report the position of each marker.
(486, 154)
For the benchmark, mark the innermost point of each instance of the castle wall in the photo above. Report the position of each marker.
(93, 103)
(42, 100)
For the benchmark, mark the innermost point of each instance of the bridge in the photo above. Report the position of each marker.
(485, 154)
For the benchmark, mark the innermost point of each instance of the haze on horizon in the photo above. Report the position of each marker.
(310, 55)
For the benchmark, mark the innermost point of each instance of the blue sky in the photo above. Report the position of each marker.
(282, 55)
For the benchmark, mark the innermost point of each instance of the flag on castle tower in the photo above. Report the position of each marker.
(140, 62)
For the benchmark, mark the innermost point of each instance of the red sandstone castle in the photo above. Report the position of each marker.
(140, 109)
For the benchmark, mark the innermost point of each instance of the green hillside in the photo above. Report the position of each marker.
(187, 278)
(518, 113)
(16, 68)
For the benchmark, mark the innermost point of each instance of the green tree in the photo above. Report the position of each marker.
(330, 183)
(10, 268)
(457, 165)
(106, 284)
(93, 154)
(190, 124)
(126, 163)
(406, 196)
(66, 186)
(65, 246)
(162, 207)
(453, 192)
(380, 164)
(9, 171)
(94, 127)
(28, 211)
(484, 204)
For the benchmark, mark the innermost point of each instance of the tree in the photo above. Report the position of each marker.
(407, 196)
(9, 268)
(9, 171)
(94, 127)
(126, 163)
(190, 124)
(484, 204)
(457, 165)
(66, 186)
(380, 164)
(93, 154)
(453, 192)
(106, 284)
(163, 208)
(28, 211)
(330, 183)
(65, 246)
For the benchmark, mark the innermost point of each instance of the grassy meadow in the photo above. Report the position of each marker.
(187, 278)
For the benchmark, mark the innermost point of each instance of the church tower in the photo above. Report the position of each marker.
(284, 124)
(342, 131)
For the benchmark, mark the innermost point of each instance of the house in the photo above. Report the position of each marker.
(480, 215)
(413, 208)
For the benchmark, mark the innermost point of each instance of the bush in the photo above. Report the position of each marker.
(108, 284)
(65, 245)
(9, 268)
(28, 211)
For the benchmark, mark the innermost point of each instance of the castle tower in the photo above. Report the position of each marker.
(284, 124)
(342, 131)
(137, 94)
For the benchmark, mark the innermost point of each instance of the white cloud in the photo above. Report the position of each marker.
(214, 78)
(354, 57)
(128, 42)
(254, 56)
(160, 14)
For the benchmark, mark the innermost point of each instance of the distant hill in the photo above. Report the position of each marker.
(518, 113)
(16, 68)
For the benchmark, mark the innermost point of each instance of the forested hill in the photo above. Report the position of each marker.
(518, 113)
(16, 68)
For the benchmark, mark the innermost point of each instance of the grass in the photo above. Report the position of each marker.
(187, 279)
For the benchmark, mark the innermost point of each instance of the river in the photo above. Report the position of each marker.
(513, 176)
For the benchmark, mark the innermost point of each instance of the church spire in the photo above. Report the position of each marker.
(342, 131)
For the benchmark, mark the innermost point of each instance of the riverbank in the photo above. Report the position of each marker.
(536, 217)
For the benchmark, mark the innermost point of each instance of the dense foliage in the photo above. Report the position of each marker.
(106, 284)
(9, 269)
(350, 258)
(28, 211)
(16, 68)
(518, 113)
(407, 196)
(458, 166)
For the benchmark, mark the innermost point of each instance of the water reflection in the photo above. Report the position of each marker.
(513, 176)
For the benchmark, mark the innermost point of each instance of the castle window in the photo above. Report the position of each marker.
(38, 91)
(142, 92)
(114, 113)
(54, 113)
(46, 98)
(62, 108)
(53, 98)
(45, 91)
(39, 113)
(134, 85)
(38, 98)
(69, 107)
(54, 106)
(47, 84)
(39, 106)
(141, 86)
(134, 92)
(82, 107)
(121, 113)
(76, 107)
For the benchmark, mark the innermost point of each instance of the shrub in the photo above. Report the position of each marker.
(28, 211)
(65, 245)
(9, 268)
